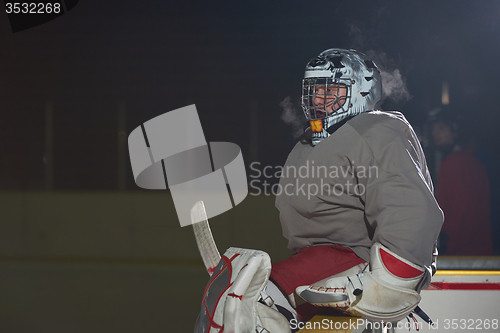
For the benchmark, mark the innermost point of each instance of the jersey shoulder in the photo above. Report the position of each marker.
(391, 139)
(381, 125)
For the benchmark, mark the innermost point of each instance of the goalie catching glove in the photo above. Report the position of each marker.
(388, 292)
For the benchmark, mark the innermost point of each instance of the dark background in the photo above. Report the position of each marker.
(82, 248)
(235, 60)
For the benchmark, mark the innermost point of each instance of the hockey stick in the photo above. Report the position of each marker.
(204, 239)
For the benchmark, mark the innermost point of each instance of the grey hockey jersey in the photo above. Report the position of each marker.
(367, 182)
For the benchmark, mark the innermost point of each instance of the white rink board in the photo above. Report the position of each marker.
(460, 310)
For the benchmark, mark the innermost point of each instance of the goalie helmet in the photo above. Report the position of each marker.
(338, 84)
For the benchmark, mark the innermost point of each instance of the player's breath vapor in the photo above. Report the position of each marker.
(291, 116)
(393, 83)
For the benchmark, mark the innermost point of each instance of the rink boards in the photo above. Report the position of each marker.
(456, 301)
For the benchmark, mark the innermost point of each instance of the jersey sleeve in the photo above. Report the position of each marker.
(399, 200)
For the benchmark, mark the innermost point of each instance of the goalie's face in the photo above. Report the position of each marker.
(324, 97)
(329, 98)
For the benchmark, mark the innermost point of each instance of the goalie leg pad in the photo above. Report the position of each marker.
(231, 299)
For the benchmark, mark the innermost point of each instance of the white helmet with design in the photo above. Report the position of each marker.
(337, 85)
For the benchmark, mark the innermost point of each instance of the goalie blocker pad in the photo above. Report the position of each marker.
(386, 293)
(388, 290)
(231, 299)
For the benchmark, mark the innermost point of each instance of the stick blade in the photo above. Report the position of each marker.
(204, 239)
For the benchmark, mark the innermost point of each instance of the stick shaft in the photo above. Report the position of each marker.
(204, 238)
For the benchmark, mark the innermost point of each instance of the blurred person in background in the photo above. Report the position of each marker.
(463, 189)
